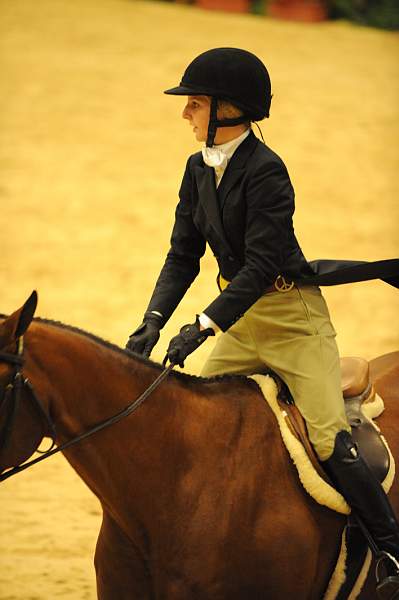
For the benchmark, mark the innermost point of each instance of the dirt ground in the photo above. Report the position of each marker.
(91, 158)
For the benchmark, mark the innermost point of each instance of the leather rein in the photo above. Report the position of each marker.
(11, 401)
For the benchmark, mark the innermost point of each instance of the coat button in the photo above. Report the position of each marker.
(230, 258)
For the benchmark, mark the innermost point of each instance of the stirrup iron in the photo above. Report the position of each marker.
(387, 587)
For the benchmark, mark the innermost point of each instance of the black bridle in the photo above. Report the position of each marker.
(12, 397)
(11, 401)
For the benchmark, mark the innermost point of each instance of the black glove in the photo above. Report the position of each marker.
(189, 338)
(146, 335)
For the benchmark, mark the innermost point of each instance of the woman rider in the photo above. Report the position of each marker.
(237, 196)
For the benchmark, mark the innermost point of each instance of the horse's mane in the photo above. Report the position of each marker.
(183, 377)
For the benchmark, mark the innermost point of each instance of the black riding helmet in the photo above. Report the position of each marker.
(228, 74)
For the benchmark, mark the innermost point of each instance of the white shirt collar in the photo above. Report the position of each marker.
(230, 147)
(219, 156)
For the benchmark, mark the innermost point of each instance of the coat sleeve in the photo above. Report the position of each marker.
(182, 262)
(269, 198)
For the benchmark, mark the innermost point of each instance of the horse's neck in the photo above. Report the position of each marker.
(182, 435)
(81, 383)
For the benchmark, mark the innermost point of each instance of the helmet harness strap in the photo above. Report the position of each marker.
(214, 122)
(260, 131)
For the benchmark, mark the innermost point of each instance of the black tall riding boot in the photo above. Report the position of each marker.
(364, 493)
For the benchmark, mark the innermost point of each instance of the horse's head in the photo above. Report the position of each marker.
(21, 427)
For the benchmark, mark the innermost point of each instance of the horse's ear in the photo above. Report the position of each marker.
(26, 314)
(16, 324)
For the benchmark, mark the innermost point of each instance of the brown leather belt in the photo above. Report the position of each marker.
(281, 284)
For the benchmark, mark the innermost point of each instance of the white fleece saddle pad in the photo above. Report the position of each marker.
(319, 489)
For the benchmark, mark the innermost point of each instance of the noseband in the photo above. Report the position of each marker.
(11, 400)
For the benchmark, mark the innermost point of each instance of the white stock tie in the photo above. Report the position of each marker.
(214, 157)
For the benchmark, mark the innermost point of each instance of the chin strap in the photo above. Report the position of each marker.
(214, 122)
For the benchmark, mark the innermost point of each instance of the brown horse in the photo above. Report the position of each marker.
(200, 499)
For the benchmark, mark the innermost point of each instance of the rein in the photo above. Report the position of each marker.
(12, 397)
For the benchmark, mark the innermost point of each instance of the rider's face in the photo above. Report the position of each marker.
(197, 112)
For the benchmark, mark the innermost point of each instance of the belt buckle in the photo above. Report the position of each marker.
(282, 285)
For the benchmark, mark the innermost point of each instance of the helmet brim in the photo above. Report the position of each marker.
(183, 90)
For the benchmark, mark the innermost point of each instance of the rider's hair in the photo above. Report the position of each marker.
(229, 111)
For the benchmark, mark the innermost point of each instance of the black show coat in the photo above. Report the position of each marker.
(248, 225)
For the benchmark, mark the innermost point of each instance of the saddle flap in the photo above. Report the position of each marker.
(367, 438)
(365, 435)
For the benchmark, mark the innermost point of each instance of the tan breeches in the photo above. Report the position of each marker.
(292, 334)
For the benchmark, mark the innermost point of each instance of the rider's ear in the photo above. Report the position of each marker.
(16, 324)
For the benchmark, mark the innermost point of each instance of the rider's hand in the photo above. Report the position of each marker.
(189, 338)
(146, 335)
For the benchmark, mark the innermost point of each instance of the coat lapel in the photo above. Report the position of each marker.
(212, 200)
(236, 167)
(208, 199)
